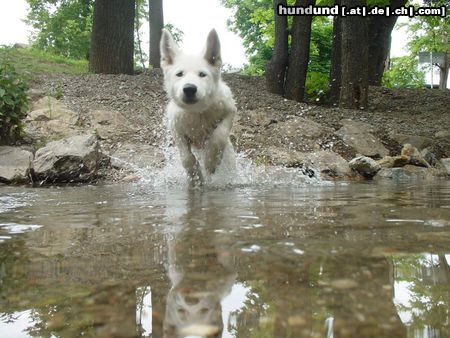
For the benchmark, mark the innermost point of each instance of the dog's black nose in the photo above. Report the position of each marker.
(189, 90)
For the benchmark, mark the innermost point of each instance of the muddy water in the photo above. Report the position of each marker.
(345, 260)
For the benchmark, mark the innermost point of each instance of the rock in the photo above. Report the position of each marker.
(15, 165)
(445, 134)
(63, 115)
(35, 94)
(133, 157)
(394, 161)
(419, 142)
(406, 173)
(298, 134)
(365, 166)
(444, 166)
(357, 135)
(75, 159)
(108, 123)
(19, 45)
(328, 163)
(415, 157)
(429, 156)
(325, 162)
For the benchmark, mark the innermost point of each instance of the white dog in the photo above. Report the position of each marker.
(201, 108)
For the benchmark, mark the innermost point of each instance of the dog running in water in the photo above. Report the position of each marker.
(201, 108)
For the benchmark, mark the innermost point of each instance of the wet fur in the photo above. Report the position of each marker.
(202, 122)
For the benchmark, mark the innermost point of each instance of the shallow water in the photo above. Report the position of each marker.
(336, 260)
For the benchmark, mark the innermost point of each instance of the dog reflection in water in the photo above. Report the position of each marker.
(201, 277)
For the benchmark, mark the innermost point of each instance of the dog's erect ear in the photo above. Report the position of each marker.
(212, 53)
(168, 48)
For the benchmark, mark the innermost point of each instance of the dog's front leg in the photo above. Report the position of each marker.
(189, 162)
(216, 145)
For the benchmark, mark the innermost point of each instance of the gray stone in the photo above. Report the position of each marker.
(415, 157)
(75, 159)
(357, 135)
(108, 123)
(365, 166)
(445, 134)
(134, 157)
(329, 163)
(444, 166)
(407, 172)
(15, 164)
(419, 142)
(394, 161)
(298, 134)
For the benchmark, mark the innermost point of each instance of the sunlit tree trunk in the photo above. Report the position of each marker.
(156, 26)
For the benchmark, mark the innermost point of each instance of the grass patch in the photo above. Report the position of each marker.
(29, 62)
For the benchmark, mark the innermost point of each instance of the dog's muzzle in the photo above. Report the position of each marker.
(190, 91)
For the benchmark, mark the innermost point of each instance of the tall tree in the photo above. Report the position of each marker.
(336, 57)
(431, 34)
(380, 29)
(354, 79)
(299, 56)
(112, 43)
(276, 66)
(62, 27)
(156, 26)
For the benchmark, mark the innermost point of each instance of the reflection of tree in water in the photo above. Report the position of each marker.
(428, 280)
(285, 304)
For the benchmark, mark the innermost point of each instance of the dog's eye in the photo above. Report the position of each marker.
(202, 74)
(179, 74)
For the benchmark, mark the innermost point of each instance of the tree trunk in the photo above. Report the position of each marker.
(112, 42)
(354, 86)
(299, 57)
(336, 67)
(380, 29)
(156, 26)
(276, 67)
(443, 73)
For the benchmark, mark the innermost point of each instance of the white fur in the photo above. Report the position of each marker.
(205, 121)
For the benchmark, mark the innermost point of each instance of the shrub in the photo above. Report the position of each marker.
(13, 103)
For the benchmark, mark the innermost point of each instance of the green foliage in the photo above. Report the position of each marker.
(429, 33)
(253, 21)
(61, 27)
(13, 102)
(404, 73)
(30, 62)
(176, 33)
(316, 86)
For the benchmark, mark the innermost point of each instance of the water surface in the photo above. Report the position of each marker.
(342, 260)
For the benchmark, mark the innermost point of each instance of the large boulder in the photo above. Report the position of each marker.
(297, 133)
(15, 165)
(359, 137)
(108, 123)
(50, 119)
(75, 159)
(365, 166)
(407, 172)
(131, 156)
(327, 163)
(444, 166)
(419, 142)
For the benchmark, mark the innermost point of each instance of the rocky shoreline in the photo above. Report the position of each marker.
(95, 128)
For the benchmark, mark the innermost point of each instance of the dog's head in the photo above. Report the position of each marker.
(190, 81)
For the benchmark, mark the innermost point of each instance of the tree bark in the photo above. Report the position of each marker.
(443, 73)
(299, 57)
(276, 66)
(354, 79)
(112, 42)
(336, 67)
(156, 26)
(380, 29)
